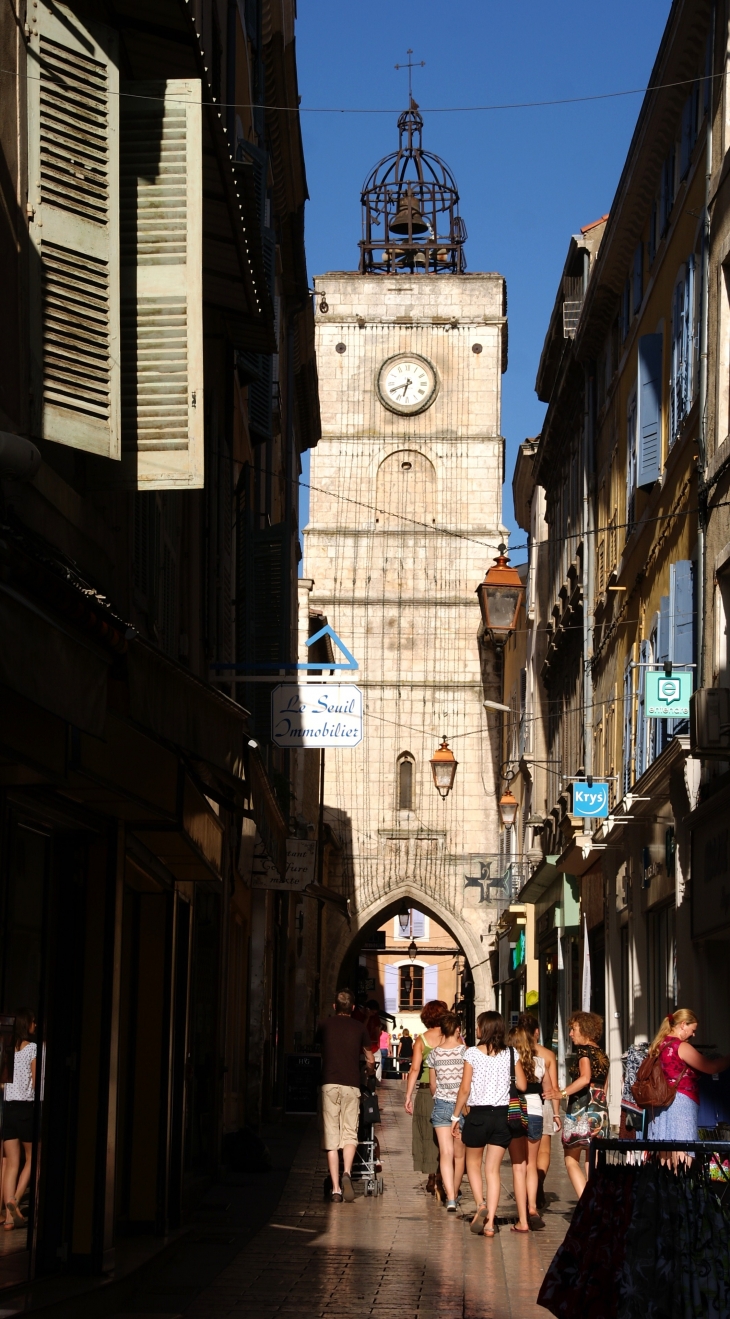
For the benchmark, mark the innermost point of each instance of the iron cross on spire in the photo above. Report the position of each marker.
(418, 64)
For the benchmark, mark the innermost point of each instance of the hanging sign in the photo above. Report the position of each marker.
(300, 858)
(316, 716)
(668, 698)
(590, 803)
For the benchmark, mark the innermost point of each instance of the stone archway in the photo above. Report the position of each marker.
(344, 939)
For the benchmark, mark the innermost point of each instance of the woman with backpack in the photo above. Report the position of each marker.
(681, 1064)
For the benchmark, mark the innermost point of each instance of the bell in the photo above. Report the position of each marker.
(408, 218)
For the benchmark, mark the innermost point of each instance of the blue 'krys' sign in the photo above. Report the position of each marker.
(590, 803)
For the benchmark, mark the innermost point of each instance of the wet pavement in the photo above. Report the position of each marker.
(398, 1255)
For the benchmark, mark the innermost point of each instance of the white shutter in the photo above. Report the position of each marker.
(430, 983)
(161, 166)
(73, 196)
(391, 989)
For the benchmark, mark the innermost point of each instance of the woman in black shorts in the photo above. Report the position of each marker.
(17, 1128)
(485, 1087)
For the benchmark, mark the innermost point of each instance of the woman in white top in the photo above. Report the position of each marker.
(485, 1087)
(17, 1128)
(446, 1064)
(535, 1069)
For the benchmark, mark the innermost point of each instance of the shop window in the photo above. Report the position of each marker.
(661, 930)
(410, 995)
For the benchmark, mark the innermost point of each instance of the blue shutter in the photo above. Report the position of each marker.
(681, 608)
(687, 141)
(681, 618)
(628, 731)
(418, 924)
(641, 724)
(663, 648)
(688, 346)
(391, 989)
(649, 410)
(638, 292)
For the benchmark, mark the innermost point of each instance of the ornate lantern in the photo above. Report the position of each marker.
(500, 596)
(443, 768)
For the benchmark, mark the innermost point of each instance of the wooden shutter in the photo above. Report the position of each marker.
(641, 727)
(681, 612)
(649, 410)
(73, 193)
(162, 284)
(628, 738)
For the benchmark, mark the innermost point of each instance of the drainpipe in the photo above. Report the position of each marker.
(588, 563)
(704, 338)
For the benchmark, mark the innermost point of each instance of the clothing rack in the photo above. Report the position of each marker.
(622, 1153)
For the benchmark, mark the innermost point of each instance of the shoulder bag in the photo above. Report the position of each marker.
(517, 1111)
(652, 1087)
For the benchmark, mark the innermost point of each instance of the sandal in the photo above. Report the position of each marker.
(490, 1231)
(522, 1230)
(15, 1214)
(477, 1223)
(535, 1222)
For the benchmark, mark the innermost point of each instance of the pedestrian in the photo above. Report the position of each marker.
(446, 1066)
(343, 1040)
(423, 1144)
(485, 1087)
(681, 1064)
(384, 1050)
(17, 1119)
(405, 1053)
(534, 1069)
(587, 1114)
(538, 1152)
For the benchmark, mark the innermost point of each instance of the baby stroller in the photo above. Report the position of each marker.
(366, 1166)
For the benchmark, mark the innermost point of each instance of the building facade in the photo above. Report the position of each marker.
(405, 512)
(157, 387)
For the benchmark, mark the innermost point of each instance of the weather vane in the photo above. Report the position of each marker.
(420, 64)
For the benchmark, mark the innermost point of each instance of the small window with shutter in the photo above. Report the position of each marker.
(161, 284)
(73, 109)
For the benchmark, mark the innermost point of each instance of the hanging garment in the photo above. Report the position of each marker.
(584, 1274)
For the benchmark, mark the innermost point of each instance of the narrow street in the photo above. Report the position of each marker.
(399, 1254)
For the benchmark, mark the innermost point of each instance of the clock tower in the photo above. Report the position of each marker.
(405, 515)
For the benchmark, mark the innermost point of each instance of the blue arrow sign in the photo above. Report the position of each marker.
(280, 665)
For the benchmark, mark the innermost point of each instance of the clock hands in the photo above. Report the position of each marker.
(406, 386)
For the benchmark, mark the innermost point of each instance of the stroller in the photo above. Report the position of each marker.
(365, 1168)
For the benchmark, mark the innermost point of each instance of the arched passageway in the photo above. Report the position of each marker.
(341, 961)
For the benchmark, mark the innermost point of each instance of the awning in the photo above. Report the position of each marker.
(578, 857)
(326, 894)
(42, 660)
(540, 881)
(199, 721)
(269, 819)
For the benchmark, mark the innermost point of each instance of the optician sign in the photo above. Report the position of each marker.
(668, 698)
(590, 803)
(316, 716)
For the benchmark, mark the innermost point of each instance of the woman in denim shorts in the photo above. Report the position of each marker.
(446, 1062)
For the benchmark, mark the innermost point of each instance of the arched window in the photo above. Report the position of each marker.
(405, 782)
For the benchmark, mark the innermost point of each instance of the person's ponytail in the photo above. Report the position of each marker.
(680, 1017)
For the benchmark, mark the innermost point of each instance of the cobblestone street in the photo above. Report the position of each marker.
(395, 1255)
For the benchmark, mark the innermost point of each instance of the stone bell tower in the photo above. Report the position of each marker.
(405, 516)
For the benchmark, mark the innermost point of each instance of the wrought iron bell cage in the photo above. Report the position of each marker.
(410, 210)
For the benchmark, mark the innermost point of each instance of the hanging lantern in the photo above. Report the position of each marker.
(508, 806)
(413, 950)
(500, 596)
(443, 768)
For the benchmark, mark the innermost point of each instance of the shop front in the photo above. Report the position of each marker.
(710, 907)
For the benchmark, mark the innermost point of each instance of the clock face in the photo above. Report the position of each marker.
(407, 384)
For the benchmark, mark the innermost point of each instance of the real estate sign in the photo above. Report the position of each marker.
(667, 698)
(318, 715)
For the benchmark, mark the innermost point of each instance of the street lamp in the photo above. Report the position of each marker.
(443, 768)
(413, 950)
(500, 597)
(508, 805)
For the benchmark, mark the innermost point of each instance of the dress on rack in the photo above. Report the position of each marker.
(587, 1115)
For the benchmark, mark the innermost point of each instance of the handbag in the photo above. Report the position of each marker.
(369, 1107)
(652, 1087)
(517, 1110)
(587, 1117)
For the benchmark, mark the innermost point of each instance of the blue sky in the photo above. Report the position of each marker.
(528, 178)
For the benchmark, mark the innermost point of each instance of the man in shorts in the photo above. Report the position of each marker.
(343, 1040)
